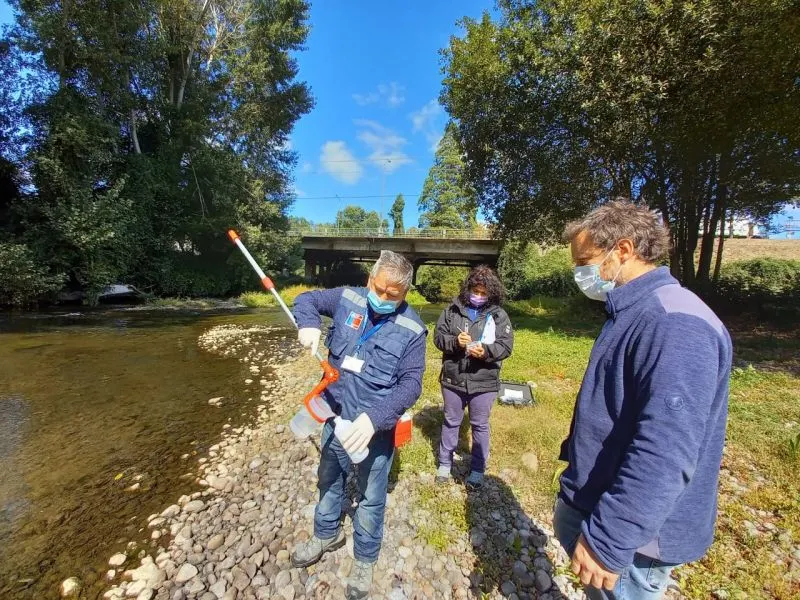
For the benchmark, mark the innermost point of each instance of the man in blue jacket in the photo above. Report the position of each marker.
(639, 494)
(377, 342)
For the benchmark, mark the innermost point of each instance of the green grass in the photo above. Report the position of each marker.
(553, 339)
(267, 300)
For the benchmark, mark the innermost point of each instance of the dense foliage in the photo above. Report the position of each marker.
(137, 134)
(692, 107)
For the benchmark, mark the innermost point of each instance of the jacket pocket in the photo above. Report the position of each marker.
(381, 366)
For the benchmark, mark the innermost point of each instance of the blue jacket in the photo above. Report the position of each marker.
(394, 355)
(646, 440)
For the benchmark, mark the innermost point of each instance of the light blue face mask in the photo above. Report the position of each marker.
(590, 282)
(382, 307)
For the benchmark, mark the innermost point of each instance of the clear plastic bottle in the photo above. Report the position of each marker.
(304, 423)
(341, 427)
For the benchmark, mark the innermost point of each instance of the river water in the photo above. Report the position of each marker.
(92, 403)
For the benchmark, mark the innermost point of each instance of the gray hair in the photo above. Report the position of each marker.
(396, 266)
(622, 219)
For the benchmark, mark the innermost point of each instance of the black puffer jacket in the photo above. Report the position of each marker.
(467, 374)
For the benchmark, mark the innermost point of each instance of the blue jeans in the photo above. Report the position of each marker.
(646, 579)
(373, 482)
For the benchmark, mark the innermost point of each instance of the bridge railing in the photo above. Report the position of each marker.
(438, 233)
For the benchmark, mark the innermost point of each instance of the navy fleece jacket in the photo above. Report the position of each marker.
(646, 439)
(309, 306)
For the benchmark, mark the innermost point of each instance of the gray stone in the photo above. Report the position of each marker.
(195, 586)
(283, 579)
(117, 560)
(216, 541)
(508, 588)
(193, 506)
(171, 511)
(543, 581)
(70, 588)
(218, 589)
(185, 573)
(287, 592)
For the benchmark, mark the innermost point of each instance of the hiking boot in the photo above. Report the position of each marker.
(360, 581)
(474, 481)
(443, 474)
(309, 553)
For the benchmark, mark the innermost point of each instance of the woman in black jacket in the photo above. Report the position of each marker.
(474, 335)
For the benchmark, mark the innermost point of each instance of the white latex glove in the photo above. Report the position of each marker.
(309, 338)
(359, 435)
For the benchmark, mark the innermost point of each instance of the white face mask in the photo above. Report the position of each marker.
(591, 283)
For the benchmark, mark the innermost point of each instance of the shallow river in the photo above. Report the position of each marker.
(92, 403)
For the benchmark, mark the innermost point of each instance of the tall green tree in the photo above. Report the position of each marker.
(151, 129)
(396, 213)
(355, 217)
(448, 199)
(691, 107)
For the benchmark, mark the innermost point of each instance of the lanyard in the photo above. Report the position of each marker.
(368, 334)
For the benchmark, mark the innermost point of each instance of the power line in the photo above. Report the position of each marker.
(356, 197)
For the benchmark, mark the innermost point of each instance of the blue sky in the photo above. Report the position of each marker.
(375, 71)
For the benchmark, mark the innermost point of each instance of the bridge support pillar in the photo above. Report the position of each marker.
(311, 269)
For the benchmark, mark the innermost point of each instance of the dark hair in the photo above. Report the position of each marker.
(485, 276)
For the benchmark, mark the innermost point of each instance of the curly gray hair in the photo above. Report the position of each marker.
(622, 219)
(396, 266)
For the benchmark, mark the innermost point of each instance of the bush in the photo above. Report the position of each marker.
(22, 281)
(528, 271)
(440, 284)
(768, 286)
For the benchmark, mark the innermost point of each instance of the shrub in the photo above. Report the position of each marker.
(22, 281)
(440, 284)
(767, 286)
(528, 271)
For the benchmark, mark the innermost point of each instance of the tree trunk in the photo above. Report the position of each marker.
(187, 67)
(136, 148)
(718, 264)
(717, 214)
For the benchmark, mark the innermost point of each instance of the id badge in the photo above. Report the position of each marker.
(351, 363)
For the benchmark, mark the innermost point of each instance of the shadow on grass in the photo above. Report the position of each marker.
(506, 541)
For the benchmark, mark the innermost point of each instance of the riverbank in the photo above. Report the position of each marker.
(232, 539)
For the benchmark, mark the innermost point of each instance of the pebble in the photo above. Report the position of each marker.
(233, 539)
(185, 573)
(70, 588)
(117, 560)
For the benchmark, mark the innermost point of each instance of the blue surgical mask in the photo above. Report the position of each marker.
(591, 283)
(382, 307)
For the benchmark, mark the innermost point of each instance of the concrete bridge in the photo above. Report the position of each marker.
(325, 248)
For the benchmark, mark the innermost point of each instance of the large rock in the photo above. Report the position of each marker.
(150, 574)
(70, 588)
(185, 573)
(117, 560)
(194, 506)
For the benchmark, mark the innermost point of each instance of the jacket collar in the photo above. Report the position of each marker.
(627, 295)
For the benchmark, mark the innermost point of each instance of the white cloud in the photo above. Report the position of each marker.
(298, 192)
(428, 121)
(390, 94)
(306, 168)
(337, 160)
(385, 144)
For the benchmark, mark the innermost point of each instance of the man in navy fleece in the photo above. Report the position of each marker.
(639, 495)
(377, 342)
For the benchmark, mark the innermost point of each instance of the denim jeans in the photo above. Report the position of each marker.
(646, 579)
(373, 482)
(480, 405)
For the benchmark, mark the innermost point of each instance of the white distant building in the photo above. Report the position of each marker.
(745, 228)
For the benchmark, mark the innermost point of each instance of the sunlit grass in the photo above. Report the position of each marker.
(553, 339)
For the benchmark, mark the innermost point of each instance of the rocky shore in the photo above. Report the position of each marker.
(232, 539)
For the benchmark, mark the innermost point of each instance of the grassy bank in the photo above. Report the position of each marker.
(760, 471)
